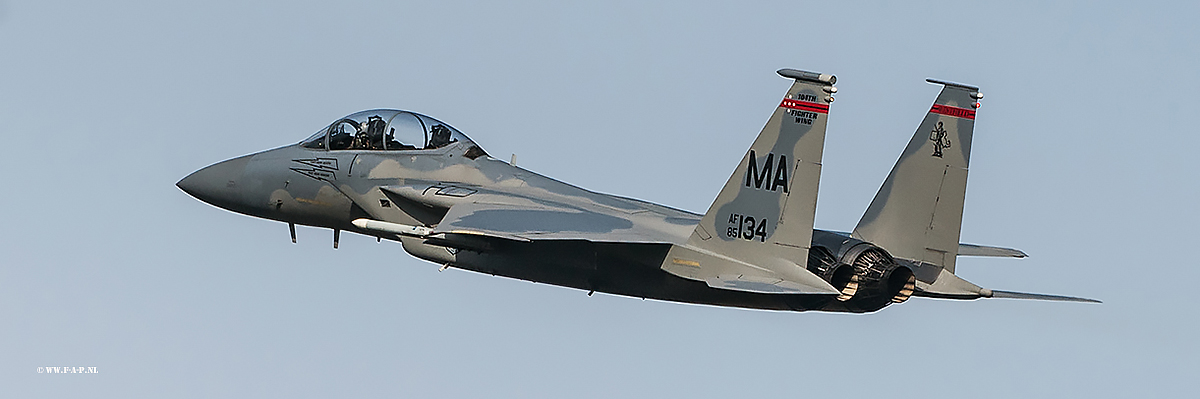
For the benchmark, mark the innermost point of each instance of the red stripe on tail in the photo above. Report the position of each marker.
(804, 106)
(953, 111)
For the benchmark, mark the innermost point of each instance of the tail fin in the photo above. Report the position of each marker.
(759, 229)
(917, 213)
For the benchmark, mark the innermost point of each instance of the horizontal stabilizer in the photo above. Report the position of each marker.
(950, 286)
(1040, 297)
(983, 250)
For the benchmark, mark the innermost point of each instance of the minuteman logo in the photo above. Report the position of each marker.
(940, 140)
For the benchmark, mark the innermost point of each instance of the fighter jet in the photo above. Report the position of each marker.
(406, 177)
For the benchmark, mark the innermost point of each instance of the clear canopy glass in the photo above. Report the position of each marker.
(385, 130)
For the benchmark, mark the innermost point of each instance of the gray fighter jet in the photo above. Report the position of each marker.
(407, 177)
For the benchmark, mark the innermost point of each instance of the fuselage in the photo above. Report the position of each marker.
(329, 189)
(407, 177)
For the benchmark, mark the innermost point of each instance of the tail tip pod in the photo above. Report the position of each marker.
(808, 76)
(954, 84)
(973, 91)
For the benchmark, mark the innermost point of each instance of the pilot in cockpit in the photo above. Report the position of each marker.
(439, 137)
(361, 140)
(369, 134)
(377, 130)
(374, 132)
(339, 139)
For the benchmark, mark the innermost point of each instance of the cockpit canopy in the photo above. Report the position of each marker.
(385, 130)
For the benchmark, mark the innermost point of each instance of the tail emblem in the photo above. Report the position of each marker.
(939, 139)
(762, 180)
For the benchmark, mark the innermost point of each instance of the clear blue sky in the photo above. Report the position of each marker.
(1084, 157)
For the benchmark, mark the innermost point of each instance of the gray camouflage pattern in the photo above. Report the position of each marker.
(406, 177)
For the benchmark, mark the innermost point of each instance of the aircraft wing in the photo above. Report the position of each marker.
(529, 222)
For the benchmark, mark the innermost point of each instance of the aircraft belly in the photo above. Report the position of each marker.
(615, 268)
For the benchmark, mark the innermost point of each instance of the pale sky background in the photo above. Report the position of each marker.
(1084, 156)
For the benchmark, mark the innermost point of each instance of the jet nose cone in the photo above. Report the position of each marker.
(191, 184)
(216, 184)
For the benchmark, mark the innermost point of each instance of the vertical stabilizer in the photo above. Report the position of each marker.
(917, 214)
(759, 229)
